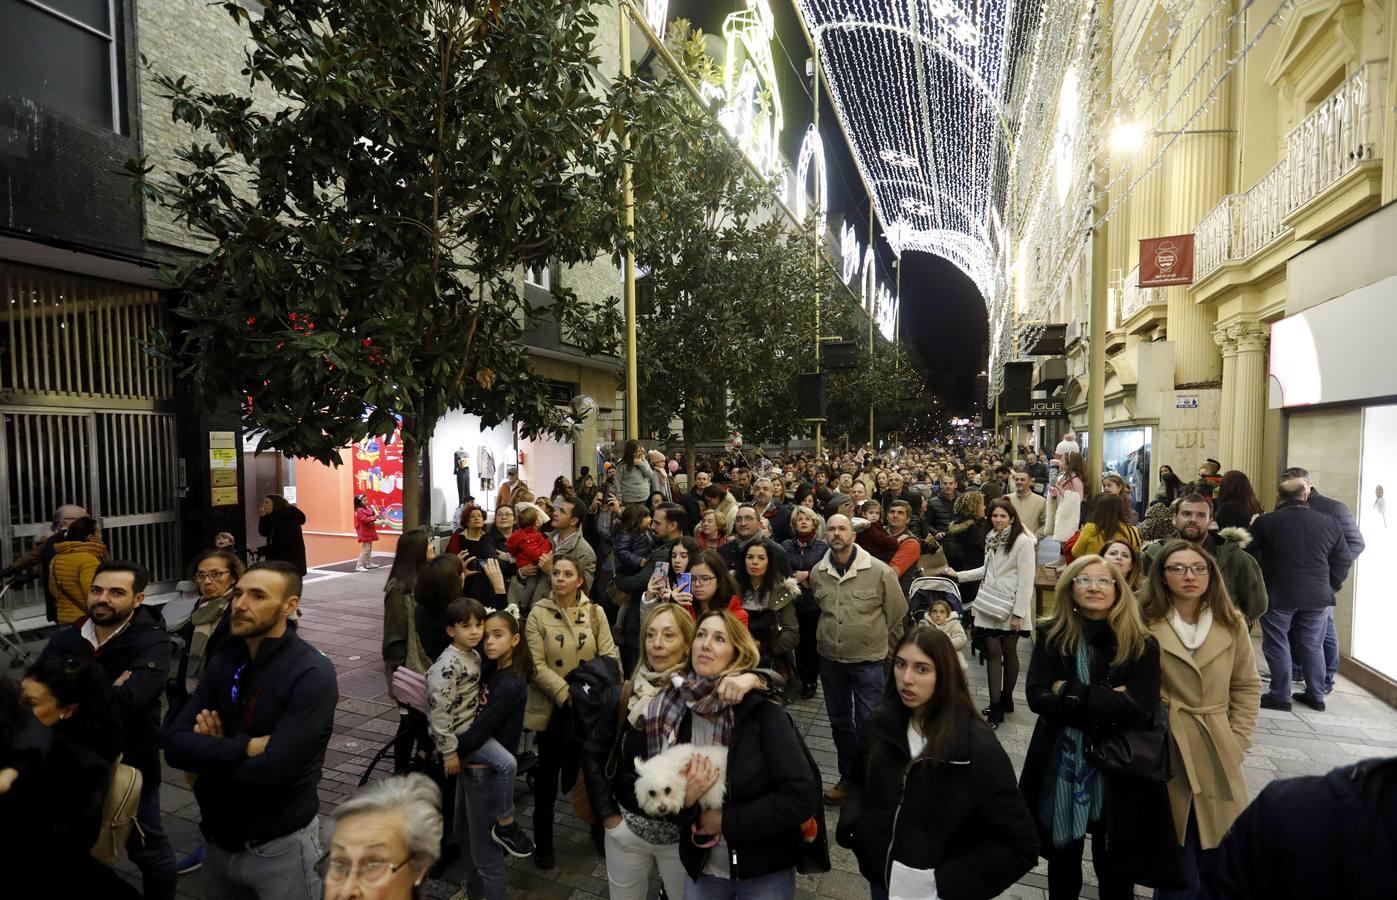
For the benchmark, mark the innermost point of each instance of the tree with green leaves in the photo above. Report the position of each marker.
(726, 308)
(366, 204)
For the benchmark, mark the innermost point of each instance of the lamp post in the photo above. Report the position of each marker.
(628, 266)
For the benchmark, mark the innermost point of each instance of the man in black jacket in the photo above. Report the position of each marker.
(129, 643)
(1354, 538)
(1320, 837)
(255, 733)
(1304, 559)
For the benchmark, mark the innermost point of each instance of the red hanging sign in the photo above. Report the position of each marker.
(1166, 261)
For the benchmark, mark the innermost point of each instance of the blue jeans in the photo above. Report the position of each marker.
(852, 692)
(776, 886)
(149, 846)
(1331, 655)
(475, 806)
(506, 768)
(1308, 627)
(281, 869)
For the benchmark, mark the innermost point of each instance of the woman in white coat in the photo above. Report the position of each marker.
(1003, 604)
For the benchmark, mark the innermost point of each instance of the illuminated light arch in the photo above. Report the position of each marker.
(746, 74)
(812, 149)
(869, 293)
(849, 253)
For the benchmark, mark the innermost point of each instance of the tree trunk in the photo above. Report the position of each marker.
(412, 475)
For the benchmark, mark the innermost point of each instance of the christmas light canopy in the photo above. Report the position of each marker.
(919, 86)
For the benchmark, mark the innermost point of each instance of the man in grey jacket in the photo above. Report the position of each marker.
(862, 616)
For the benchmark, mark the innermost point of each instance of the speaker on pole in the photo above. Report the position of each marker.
(810, 395)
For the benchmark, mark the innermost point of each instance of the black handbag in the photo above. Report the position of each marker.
(1134, 752)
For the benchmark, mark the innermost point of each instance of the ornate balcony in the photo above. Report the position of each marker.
(1135, 298)
(1339, 135)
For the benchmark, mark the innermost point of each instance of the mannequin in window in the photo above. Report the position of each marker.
(462, 467)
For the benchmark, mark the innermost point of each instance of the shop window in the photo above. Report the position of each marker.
(63, 56)
(1374, 613)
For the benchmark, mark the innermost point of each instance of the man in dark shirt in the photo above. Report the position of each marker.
(255, 733)
(128, 641)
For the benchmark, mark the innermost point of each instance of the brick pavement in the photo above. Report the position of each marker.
(342, 618)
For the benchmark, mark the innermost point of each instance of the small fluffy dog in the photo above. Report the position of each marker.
(660, 782)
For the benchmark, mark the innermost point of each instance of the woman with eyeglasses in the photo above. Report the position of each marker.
(1094, 666)
(384, 841)
(712, 587)
(215, 574)
(1213, 692)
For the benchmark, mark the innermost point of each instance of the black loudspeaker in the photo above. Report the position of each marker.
(1016, 399)
(810, 395)
(839, 355)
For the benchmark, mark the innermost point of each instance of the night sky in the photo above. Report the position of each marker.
(942, 312)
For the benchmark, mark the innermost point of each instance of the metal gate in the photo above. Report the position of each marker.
(119, 466)
(83, 419)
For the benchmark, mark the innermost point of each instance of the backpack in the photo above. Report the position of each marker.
(814, 849)
(118, 812)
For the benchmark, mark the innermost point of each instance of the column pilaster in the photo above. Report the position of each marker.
(1227, 344)
(1249, 400)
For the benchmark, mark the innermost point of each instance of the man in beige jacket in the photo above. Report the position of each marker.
(1032, 509)
(862, 616)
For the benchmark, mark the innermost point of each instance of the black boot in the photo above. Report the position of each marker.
(1006, 701)
(994, 715)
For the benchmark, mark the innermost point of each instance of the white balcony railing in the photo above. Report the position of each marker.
(1339, 134)
(1135, 298)
(1344, 131)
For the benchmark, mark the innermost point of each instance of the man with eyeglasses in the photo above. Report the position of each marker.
(1305, 560)
(255, 732)
(126, 639)
(747, 530)
(1241, 574)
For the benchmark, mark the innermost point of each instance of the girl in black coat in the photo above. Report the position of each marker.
(1095, 665)
(934, 805)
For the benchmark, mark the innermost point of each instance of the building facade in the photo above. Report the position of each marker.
(1265, 132)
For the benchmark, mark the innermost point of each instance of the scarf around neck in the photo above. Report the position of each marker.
(666, 711)
(645, 685)
(1073, 791)
(997, 540)
(1192, 636)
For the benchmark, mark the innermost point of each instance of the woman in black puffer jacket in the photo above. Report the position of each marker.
(934, 805)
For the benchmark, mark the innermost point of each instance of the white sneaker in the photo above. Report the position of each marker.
(360, 569)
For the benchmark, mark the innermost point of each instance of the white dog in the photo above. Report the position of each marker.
(660, 781)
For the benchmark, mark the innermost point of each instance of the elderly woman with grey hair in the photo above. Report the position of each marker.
(386, 837)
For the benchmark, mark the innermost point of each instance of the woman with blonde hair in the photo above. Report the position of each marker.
(749, 846)
(1213, 692)
(1095, 666)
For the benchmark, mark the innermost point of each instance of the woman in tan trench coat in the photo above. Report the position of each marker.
(1213, 692)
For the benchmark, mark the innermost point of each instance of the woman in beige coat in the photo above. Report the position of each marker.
(564, 630)
(1213, 693)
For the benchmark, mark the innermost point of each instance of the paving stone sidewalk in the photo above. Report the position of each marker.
(343, 616)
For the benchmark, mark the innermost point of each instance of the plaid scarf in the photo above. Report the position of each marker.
(997, 540)
(666, 711)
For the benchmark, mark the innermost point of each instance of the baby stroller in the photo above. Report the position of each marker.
(922, 591)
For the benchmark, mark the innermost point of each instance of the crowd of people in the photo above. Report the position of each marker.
(630, 640)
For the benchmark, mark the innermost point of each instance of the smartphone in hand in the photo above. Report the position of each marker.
(681, 584)
(661, 571)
